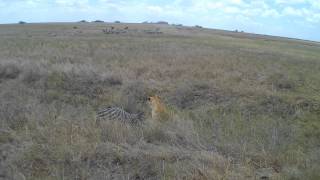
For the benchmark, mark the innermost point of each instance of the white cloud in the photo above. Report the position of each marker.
(290, 11)
(232, 10)
(72, 2)
(315, 4)
(291, 1)
(156, 9)
(303, 13)
(213, 5)
(271, 13)
(236, 1)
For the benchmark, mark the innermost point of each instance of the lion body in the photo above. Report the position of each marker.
(159, 111)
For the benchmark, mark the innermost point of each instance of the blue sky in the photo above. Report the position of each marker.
(290, 18)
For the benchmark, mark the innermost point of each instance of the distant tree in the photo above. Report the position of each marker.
(145, 22)
(98, 21)
(22, 22)
(162, 22)
(117, 22)
(197, 26)
(83, 21)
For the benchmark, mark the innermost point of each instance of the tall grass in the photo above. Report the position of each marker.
(244, 106)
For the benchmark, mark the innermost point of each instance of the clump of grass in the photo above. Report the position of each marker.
(31, 76)
(134, 97)
(280, 81)
(9, 71)
(13, 115)
(191, 95)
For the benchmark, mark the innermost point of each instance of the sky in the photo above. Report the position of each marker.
(289, 18)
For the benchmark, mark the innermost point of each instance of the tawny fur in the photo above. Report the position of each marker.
(159, 111)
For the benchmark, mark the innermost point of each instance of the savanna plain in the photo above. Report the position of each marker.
(244, 106)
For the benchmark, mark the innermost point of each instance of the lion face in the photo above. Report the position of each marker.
(154, 101)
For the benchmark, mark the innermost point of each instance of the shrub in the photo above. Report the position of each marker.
(162, 22)
(98, 21)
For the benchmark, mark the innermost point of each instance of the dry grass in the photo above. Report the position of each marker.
(245, 105)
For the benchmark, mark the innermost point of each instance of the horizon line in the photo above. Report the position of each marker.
(168, 23)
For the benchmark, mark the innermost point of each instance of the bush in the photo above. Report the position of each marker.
(162, 22)
(98, 21)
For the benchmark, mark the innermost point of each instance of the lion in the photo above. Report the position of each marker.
(159, 110)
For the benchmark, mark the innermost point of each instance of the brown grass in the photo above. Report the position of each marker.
(245, 105)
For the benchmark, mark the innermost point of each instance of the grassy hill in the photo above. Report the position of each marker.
(245, 106)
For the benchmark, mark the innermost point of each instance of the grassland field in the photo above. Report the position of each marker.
(245, 106)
